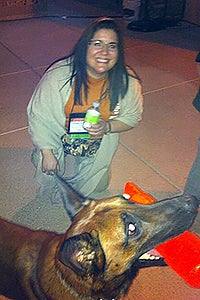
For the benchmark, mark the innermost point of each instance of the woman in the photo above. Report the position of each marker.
(94, 71)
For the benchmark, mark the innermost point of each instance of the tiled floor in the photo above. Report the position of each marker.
(157, 155)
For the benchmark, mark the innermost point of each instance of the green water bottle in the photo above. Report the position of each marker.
(92, 115)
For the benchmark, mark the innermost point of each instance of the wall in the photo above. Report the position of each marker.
(192, 11)
(19, 9)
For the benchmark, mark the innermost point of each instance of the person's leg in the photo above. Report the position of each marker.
(104, 182)
(48, 188)
(84, 177)
(192, 185)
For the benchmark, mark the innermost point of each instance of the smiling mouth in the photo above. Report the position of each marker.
(152, 255)
(151, 259)
(101, 60)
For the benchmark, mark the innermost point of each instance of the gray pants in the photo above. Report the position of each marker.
(72, 170)
(193, 181)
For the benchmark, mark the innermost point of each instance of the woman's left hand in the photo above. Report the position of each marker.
(98, 129)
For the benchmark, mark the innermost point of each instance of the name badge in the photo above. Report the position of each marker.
(75, 126)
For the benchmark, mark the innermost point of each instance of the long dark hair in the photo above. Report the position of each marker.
(117, 76)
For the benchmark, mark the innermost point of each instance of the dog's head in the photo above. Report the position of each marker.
(108, 236)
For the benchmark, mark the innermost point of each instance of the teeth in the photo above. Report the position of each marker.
(147, 256)
(102, 60)
(126, 196)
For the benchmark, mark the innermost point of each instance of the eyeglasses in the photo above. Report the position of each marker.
(99, 45)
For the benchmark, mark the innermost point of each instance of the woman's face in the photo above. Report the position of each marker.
(102, 53)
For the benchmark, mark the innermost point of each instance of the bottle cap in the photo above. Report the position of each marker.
(96, 104)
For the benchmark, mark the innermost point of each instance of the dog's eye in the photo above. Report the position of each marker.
(132, 226)
(131, 229)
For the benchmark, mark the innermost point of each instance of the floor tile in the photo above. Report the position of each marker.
(167, 135)
(16, 139)
(128, 166)
(162, 284)
(157, 64)
(9, 62)
(39, 42)
(16, 91)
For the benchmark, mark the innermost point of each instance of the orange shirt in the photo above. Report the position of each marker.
(96, 90)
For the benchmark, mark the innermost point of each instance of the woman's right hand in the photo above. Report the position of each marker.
(49, 162)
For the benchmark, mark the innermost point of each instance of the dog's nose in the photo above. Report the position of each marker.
(192, 202)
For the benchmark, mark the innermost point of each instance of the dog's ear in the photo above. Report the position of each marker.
(72, 200)
(83, 254)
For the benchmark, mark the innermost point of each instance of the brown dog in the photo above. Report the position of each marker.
(98, 256)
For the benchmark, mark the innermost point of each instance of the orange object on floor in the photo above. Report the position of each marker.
(182, 253)
(137, 195)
